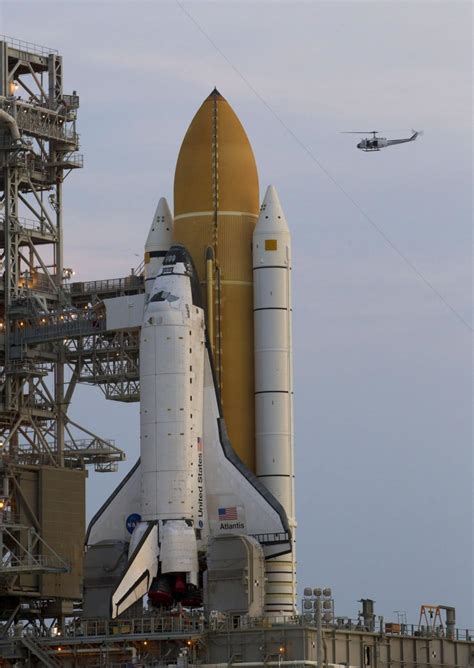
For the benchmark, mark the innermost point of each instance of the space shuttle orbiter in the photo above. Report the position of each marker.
(216, 391)
(189, 484)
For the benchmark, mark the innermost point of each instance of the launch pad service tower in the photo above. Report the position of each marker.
(216, 393)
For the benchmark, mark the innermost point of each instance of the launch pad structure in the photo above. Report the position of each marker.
(48, 340)
(53, 335)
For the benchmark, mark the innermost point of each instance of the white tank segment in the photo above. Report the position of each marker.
(274, 384)
(159, 240)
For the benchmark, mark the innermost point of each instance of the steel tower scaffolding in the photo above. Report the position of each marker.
(42, 451)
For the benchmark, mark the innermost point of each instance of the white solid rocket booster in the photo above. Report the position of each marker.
(274, 385)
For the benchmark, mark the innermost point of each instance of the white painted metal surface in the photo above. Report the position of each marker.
(229, 485)
(274, 383)
(124, 312)
(159, 240)
(193, 486)
(171, 381)
(110, 521)
(171, 391)
(142, 568)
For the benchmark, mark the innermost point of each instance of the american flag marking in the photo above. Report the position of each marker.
(227, 513)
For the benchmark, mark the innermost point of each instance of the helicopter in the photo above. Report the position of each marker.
(376, 143)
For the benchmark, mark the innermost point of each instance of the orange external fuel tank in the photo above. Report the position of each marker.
(216, 206)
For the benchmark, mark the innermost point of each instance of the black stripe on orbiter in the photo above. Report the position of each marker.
(275, 475)
(271, 308)
(273, 392)
(272, 266)
(144, 576)
(180, 254)
(159, 253)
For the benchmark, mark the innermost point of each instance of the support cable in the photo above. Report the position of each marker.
(318, 162)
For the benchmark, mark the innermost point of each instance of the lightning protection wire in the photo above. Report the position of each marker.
(318, 162)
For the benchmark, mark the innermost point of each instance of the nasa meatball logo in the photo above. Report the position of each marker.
(132, 521)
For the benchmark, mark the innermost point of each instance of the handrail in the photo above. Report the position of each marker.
(196, 624)
(92, 628)
(107, 285)
(29, 47)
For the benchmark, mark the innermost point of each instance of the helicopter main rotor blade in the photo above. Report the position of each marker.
(369, 132)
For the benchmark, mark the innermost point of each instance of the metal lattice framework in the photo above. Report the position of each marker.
(110, 360)
(38, 322)
(37, 137)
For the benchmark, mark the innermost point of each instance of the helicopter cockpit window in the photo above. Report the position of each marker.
(162, 296)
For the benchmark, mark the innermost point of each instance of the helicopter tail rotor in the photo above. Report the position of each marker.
(416, 133)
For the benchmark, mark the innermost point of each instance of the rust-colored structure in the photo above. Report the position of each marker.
(56, 496)
(216, 204)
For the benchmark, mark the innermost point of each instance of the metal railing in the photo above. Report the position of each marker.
(71, 101)
(29, 224)
(29, 47)
(107, 285)
(74, 159)
(148, 626)
(103, 454)
(9, 518)
(58, 331)
(35, 458)
(12, 563)
(39, 121)
(88, 444)
(195, 625)
(237, 623)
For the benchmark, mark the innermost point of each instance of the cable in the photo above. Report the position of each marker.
(313, 157)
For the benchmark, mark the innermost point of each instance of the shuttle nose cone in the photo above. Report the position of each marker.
(160, 236)
(271, 216)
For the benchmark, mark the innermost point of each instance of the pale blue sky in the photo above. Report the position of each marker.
(382, 366)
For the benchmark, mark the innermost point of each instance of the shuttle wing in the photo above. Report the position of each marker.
(237, 502)
(117, 517)
(235, 499)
